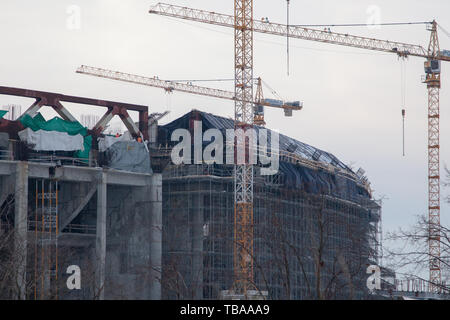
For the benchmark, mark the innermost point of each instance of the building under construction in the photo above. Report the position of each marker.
(139, 227)
(316, 227)
(76, 201)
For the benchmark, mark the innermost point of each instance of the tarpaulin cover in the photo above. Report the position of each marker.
(42, 140)
(57, 124)
(296, 176)
(129, 156)
(2, 113)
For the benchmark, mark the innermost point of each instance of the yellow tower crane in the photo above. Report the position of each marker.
(243, 232)
(243, 172)
(244, 27)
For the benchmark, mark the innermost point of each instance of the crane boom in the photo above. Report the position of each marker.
(292, 31)
(171, 86)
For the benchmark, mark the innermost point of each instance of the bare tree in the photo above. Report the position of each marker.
(11, 255)
(307, 259)
(411, 253)
(326, 257)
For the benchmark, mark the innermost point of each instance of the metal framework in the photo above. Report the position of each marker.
(433, 81)
(343, 39)
(197, 217)
(46, 240)
(401, 49)
(258, 117)
(243, 172)
(54, 100)
(170, 86)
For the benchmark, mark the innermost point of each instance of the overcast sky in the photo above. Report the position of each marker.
(352, 98)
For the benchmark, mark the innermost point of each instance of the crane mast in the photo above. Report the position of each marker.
(258, 117)
(432, 79)
(243, 170)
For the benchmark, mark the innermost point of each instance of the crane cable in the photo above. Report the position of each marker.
(361, 24)
(169, 106)
(444, 31)
(272, 90)
(403, 99)
(287, 35)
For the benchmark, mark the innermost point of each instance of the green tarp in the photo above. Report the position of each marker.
(55, 124)
(2, 113)
(87, 148)
(60, 125)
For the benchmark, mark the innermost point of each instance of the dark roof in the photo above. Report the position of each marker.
(300, 177)
(287, 144)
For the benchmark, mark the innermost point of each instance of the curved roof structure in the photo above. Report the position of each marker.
(287, 144)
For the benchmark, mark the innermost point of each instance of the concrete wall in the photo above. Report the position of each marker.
(121, 257)
(133, 252)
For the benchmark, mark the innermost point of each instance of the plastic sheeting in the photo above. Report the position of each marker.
(55, 124)
(129, 156)
(42, 140)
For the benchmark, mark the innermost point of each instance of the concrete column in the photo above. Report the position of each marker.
(20, 227)
(155, 236)
(197, 248)
(7, 184)
(100, 242)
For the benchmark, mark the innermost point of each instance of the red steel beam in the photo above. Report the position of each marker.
(54, 100)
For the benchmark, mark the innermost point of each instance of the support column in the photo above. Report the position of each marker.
(197, 248)
(155, 236)
(100, 242)
(20, 228)
(6, 187)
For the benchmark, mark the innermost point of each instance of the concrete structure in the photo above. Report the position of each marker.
(168, 233)
(120, 227)
(58, 211)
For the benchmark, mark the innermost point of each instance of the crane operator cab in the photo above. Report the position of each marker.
(432, 66)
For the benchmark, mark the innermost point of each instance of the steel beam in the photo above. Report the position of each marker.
(54, 100)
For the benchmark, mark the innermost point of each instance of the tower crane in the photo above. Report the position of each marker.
(433, 56)
(171, 86)
(243, 172)
(248, 111)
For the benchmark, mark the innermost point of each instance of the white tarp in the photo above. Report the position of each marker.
(106, 142)
(42, 140)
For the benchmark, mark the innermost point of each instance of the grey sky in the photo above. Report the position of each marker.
(352, 98)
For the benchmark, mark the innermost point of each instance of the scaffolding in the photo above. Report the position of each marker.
(316, 226)
(289, 226)
(46, 240)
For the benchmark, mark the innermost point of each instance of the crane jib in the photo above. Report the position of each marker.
(292, 31)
